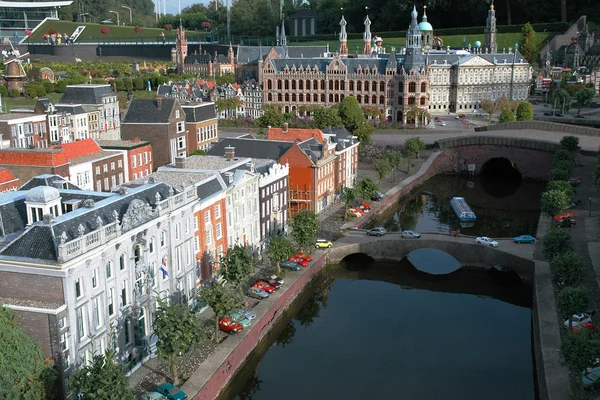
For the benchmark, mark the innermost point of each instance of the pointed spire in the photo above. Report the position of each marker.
(424, 19)
(414, 14)
(343, 38)
(367, 36)
(260, 53)
(492, 5)
(282, 38)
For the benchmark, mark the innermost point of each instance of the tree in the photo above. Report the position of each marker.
(382, 167)
(578, 353)
(554, 202)
(563, 155)
(237, 266)
(366, 188)
(527, 45)
(563, 186)
(568, 269)
(24, 372)
(560, 99)
(324, 117)
(506, 116)
(178, 331)
(571, 301)
(272, 116)
(524, 111)
(412, 148)
(279, 248)
(103, 379)
(363, 132)
(222, 301)
(504, 104)
(351, 114)
(349, 198)
(556, 241)
(393, 158)
(559, 174)
(569, 143)
(489, 107)
(305, 225)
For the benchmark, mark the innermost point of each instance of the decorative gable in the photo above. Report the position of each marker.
(476, 61)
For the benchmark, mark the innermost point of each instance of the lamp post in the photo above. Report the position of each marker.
(130, 16)
(114, 12)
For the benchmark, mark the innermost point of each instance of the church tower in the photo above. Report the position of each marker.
(282, 38)
(343, 38)
(414, 52)
(181, 48)
(489, 43)
(367, 36)
(426, 31)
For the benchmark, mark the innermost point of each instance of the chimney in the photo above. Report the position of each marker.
(136, 140)
(285, 127)
(180, 162)
(159, 103)
(229, 153)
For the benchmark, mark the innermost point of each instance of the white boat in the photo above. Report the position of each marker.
(462, 210)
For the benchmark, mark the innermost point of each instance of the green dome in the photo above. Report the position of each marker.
(425, 26)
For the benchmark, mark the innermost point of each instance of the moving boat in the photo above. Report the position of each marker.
(462, 210)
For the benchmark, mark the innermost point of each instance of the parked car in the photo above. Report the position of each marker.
(591, 379)
(353, 213)
(565, 223)
(486, 241)
(264, 286)
(290, 265)
(578, 319)
(524, 239)
(457, 117)
(246, 313)
(171, 391)
(443, 124)
(323, 244)
(153, 396)
(548, 114)
(378, 231)
(298, 260)
(564, 215)
(302, 254)
(585, 327)
(557, 114)
(237, 317)
(362, 209)
(578, 116)
(257, 293)
(575, 181)
(377, 197)
(359, 210)
(410, 235)
(230, 325)
(276, 278)
(271, 282)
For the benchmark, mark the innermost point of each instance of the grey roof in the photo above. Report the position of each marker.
(253, 148)
(198, 58)
(13, 212)
(55, 181)
(199, 112)
(86, 94)
(261, 166)
(121, 144)
(352, 64)
(148, 111)
(211, 187)
(312, 148)
(179, 178)
(342, 138)
(44, 236)
(249, 55)
(70, 108)
(42, 194)
(164, 90)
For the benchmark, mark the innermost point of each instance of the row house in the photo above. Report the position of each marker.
(136, 152)
(24, 130)
(58, 123)
(202, 125)
(230, 91)
(99, 265)
(160, 121)
(79, 119)
(102, 104)
(253, 97)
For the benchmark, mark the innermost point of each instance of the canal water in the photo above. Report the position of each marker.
(390, 331)
(504, 207)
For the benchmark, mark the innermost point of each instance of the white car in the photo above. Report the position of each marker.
(443, 124)
(487, 241)
(410, 235)
(578, 319)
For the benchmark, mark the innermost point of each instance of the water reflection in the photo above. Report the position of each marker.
(384, 333)
(433, 261)
(507, 210)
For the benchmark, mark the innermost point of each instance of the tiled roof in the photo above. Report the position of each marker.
(253, 148)
(6, 176)
(148, 111)
(95, 156)
(71, 108)
(293, 134)
(211, 187)
(199, 112)
(52, 180)
(86, 94)
(79, 148)
(43, 158)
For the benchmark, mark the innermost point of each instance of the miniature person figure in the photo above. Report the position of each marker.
(65, 38)
(162, 35)
(378, 47)
(46, 38)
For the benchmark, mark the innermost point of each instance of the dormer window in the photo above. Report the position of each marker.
(42, 200)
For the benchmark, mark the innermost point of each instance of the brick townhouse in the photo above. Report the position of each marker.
(138, 154)
(202, 125)
(24, 130)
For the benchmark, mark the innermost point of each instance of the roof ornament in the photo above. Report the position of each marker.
(63, 237)
(99, 221)
(157, 197)
(80, 230)
(115, 216)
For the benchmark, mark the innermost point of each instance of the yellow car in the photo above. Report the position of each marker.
(353, 213)
(323, 244)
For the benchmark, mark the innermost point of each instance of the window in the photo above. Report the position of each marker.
(95, 278)
(177, 231)
(111, 301)
(112, 166)
(180, 143)
(218, 229)
(196, 244)
(80, 316)
(124, 293)
(176, 113)
(208, 237)
(78, 288)
(140, 159)
(151, 245)
(97, 170)
(122, 262)
(133, 162)
(163, 239)
(217, 211)
(145, 158)
(64, 345)
(105, 167)
(207, 217)
(180, 127)
(195, 223)
(120, 163)
(137, 253)
(97, 311)
(109, 270)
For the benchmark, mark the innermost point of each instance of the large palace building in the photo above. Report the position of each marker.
(418, 76)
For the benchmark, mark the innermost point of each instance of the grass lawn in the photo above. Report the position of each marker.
(505, 40)
(92, 32)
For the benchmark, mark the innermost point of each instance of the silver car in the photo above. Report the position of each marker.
(246, 313)
(257, 293)
(410, 235)
(379, 231)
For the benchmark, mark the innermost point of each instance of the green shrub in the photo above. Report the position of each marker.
(559, 174)
(35, 90)
(3, 90)
(49, 86)
(556, 241)
(139, 84)
(568, 269)
(61, 86)
(569, 143)
(563, 155)
(14, 93)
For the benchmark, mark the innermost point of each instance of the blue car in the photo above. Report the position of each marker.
(171, 391)
(290, 265)
(524, 239)
(246, 313)
(241, 318)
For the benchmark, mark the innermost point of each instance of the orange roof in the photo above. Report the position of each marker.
(6, 176)
(79, 148)
(33, 157)
(293, 134)
(235, 86)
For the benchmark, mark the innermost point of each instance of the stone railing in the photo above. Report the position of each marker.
(87, 242)
(178, 200)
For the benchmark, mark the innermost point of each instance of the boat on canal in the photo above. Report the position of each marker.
(462, 210)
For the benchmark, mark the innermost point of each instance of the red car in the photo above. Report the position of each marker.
(230, 326)
(301, 254)
(366, 206)
(298, 260)
(586, 326)
(565, 215)
(360, 210)
(264, 286)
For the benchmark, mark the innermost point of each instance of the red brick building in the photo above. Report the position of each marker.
(24, 130)
(138, 154)
(8, 182)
